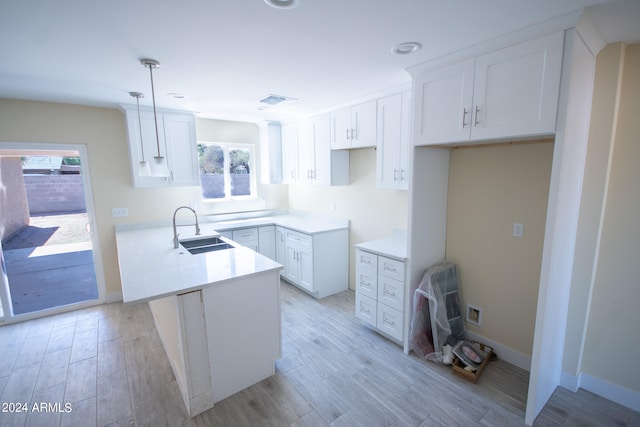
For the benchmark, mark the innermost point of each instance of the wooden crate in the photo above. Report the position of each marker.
(458, 366)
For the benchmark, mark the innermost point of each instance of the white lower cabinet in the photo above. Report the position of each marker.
(281, 247)
(318, 263)
(298, 267)
(380, 293)
(267, 241)
(211, 341)
(180, 323)
(246, 237)
(260, 239)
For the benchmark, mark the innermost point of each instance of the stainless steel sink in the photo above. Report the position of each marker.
(207, 244)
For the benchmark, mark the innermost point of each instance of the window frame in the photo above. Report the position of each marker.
(227, 147)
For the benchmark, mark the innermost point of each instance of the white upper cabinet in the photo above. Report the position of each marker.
(306, 151)
(177, 143)
(392, 153)
(443, 104)
(271, 153)
(317, 164)
(354, 127)
(289, 153)
(182, 151)
(512, 92)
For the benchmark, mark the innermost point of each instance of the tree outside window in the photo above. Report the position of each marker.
(226, 170)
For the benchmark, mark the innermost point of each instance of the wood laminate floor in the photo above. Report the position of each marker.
(108, 366)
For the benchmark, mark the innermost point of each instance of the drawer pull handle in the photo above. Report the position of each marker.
(387, 268)
(388, 322)
(392, 294)
(364, 310)
(365, 260)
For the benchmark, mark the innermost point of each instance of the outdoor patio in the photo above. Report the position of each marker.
(50, 263)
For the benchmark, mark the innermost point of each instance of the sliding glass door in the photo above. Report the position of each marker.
(49, 259)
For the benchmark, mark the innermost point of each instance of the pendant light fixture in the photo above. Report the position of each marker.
(143, 166)
(159, 164)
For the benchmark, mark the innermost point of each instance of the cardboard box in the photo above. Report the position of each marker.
(458, 366)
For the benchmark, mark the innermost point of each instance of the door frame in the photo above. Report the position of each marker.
(85, 168)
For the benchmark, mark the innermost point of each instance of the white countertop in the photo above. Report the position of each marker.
(151, 268)
(392, 247)
(308, 224)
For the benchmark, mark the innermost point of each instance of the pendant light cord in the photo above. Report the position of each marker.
(155, 115)
(140, 126)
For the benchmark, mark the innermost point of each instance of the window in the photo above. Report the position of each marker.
(226, 170)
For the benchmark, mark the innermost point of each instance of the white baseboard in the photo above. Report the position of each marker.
(504, 352)
(570, 382)
(113, 297)
(613, 392)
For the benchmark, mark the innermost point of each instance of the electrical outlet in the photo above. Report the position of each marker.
(119, 212)
(518, 229)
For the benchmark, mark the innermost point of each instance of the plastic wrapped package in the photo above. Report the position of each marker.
(436, 311)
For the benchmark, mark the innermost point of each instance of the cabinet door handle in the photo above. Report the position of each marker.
(354, 134)
(348, 134)
(401, 174)
(475, 120)
(395, 175)
(464, 117)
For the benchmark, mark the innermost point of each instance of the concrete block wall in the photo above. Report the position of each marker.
(54, 193)
(14, 211)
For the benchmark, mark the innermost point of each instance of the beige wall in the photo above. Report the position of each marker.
(490, 188)
(611, 342)
(14, 207)
(103, 131)
(373, 213)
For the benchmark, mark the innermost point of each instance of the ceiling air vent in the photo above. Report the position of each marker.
(271, 101)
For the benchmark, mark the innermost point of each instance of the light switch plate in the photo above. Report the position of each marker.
(119, 212)
(518, 229)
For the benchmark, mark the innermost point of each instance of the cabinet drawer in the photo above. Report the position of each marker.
(367, 283)
(390, 321)
(391, 268)
(366, 262)
(301, 239)
(366, 309)
(391, 292)
(245, 235)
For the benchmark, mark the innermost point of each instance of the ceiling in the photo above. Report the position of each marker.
(226, 55)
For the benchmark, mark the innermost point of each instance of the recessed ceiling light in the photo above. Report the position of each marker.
(176, 95)
(406, 48)
(282, 4)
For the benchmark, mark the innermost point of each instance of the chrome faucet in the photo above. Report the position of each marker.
(175, 230)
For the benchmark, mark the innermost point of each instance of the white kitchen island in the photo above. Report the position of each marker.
(217, 313)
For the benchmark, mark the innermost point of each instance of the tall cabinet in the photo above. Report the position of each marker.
(308, 158)
(393, 142)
